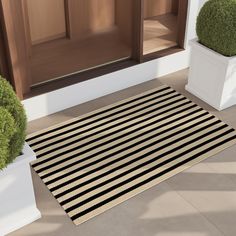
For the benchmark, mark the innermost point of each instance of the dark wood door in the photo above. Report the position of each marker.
(82, 34)
(58, 38)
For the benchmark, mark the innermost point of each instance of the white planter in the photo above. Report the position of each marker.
(17, 200)
(212, 77)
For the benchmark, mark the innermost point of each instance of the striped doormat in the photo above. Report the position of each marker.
(105, 157)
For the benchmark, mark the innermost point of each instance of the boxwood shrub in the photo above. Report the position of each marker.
(216, 26)
(12, 124)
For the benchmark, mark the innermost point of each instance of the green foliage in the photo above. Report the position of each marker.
(12, 124)
(216, 26)
(4, 151)
(7, 130)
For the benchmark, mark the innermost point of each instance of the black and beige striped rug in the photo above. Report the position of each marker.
(105, 157)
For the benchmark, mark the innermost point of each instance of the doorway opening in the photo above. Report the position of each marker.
(160, 25)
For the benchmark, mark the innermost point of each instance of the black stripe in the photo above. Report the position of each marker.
(110, 127)
(116, 145)
(80, 133)
(95, 126)
(147, 180)
(101, 112)
(128, 155)
(87, 158)
(113, 170)
(122, 129)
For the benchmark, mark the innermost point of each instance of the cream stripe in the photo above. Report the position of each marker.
(67, 157)
(95, 119)
(96, 111)
(103, 123)
(139, 162)
(138, 180)
(100, 135)
(108, 176)
(97, 157)
(150, 184)
(120, 155)
(134, 140)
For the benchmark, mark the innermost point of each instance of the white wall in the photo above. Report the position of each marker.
(201, 3)
(61, 99)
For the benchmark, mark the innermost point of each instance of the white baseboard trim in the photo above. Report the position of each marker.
(20, 219)
(55, 101)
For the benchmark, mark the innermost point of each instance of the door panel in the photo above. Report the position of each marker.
(88, 17)
(123, 10)
(99, 32)
(44, 25)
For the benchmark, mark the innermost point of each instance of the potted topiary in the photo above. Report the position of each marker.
(212, 75)
(18, 206)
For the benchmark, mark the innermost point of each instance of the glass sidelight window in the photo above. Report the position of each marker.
(69, 36)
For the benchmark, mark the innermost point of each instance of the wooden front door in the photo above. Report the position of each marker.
(47, 40)
(60, 37)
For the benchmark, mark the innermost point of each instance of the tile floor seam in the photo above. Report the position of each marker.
(217, 172)
(205, 217)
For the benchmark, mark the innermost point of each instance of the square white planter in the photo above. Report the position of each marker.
(18, 207)
(212, 76)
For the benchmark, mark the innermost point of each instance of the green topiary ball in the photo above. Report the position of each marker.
(216, 26)
(12, 124)
(7, 130)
